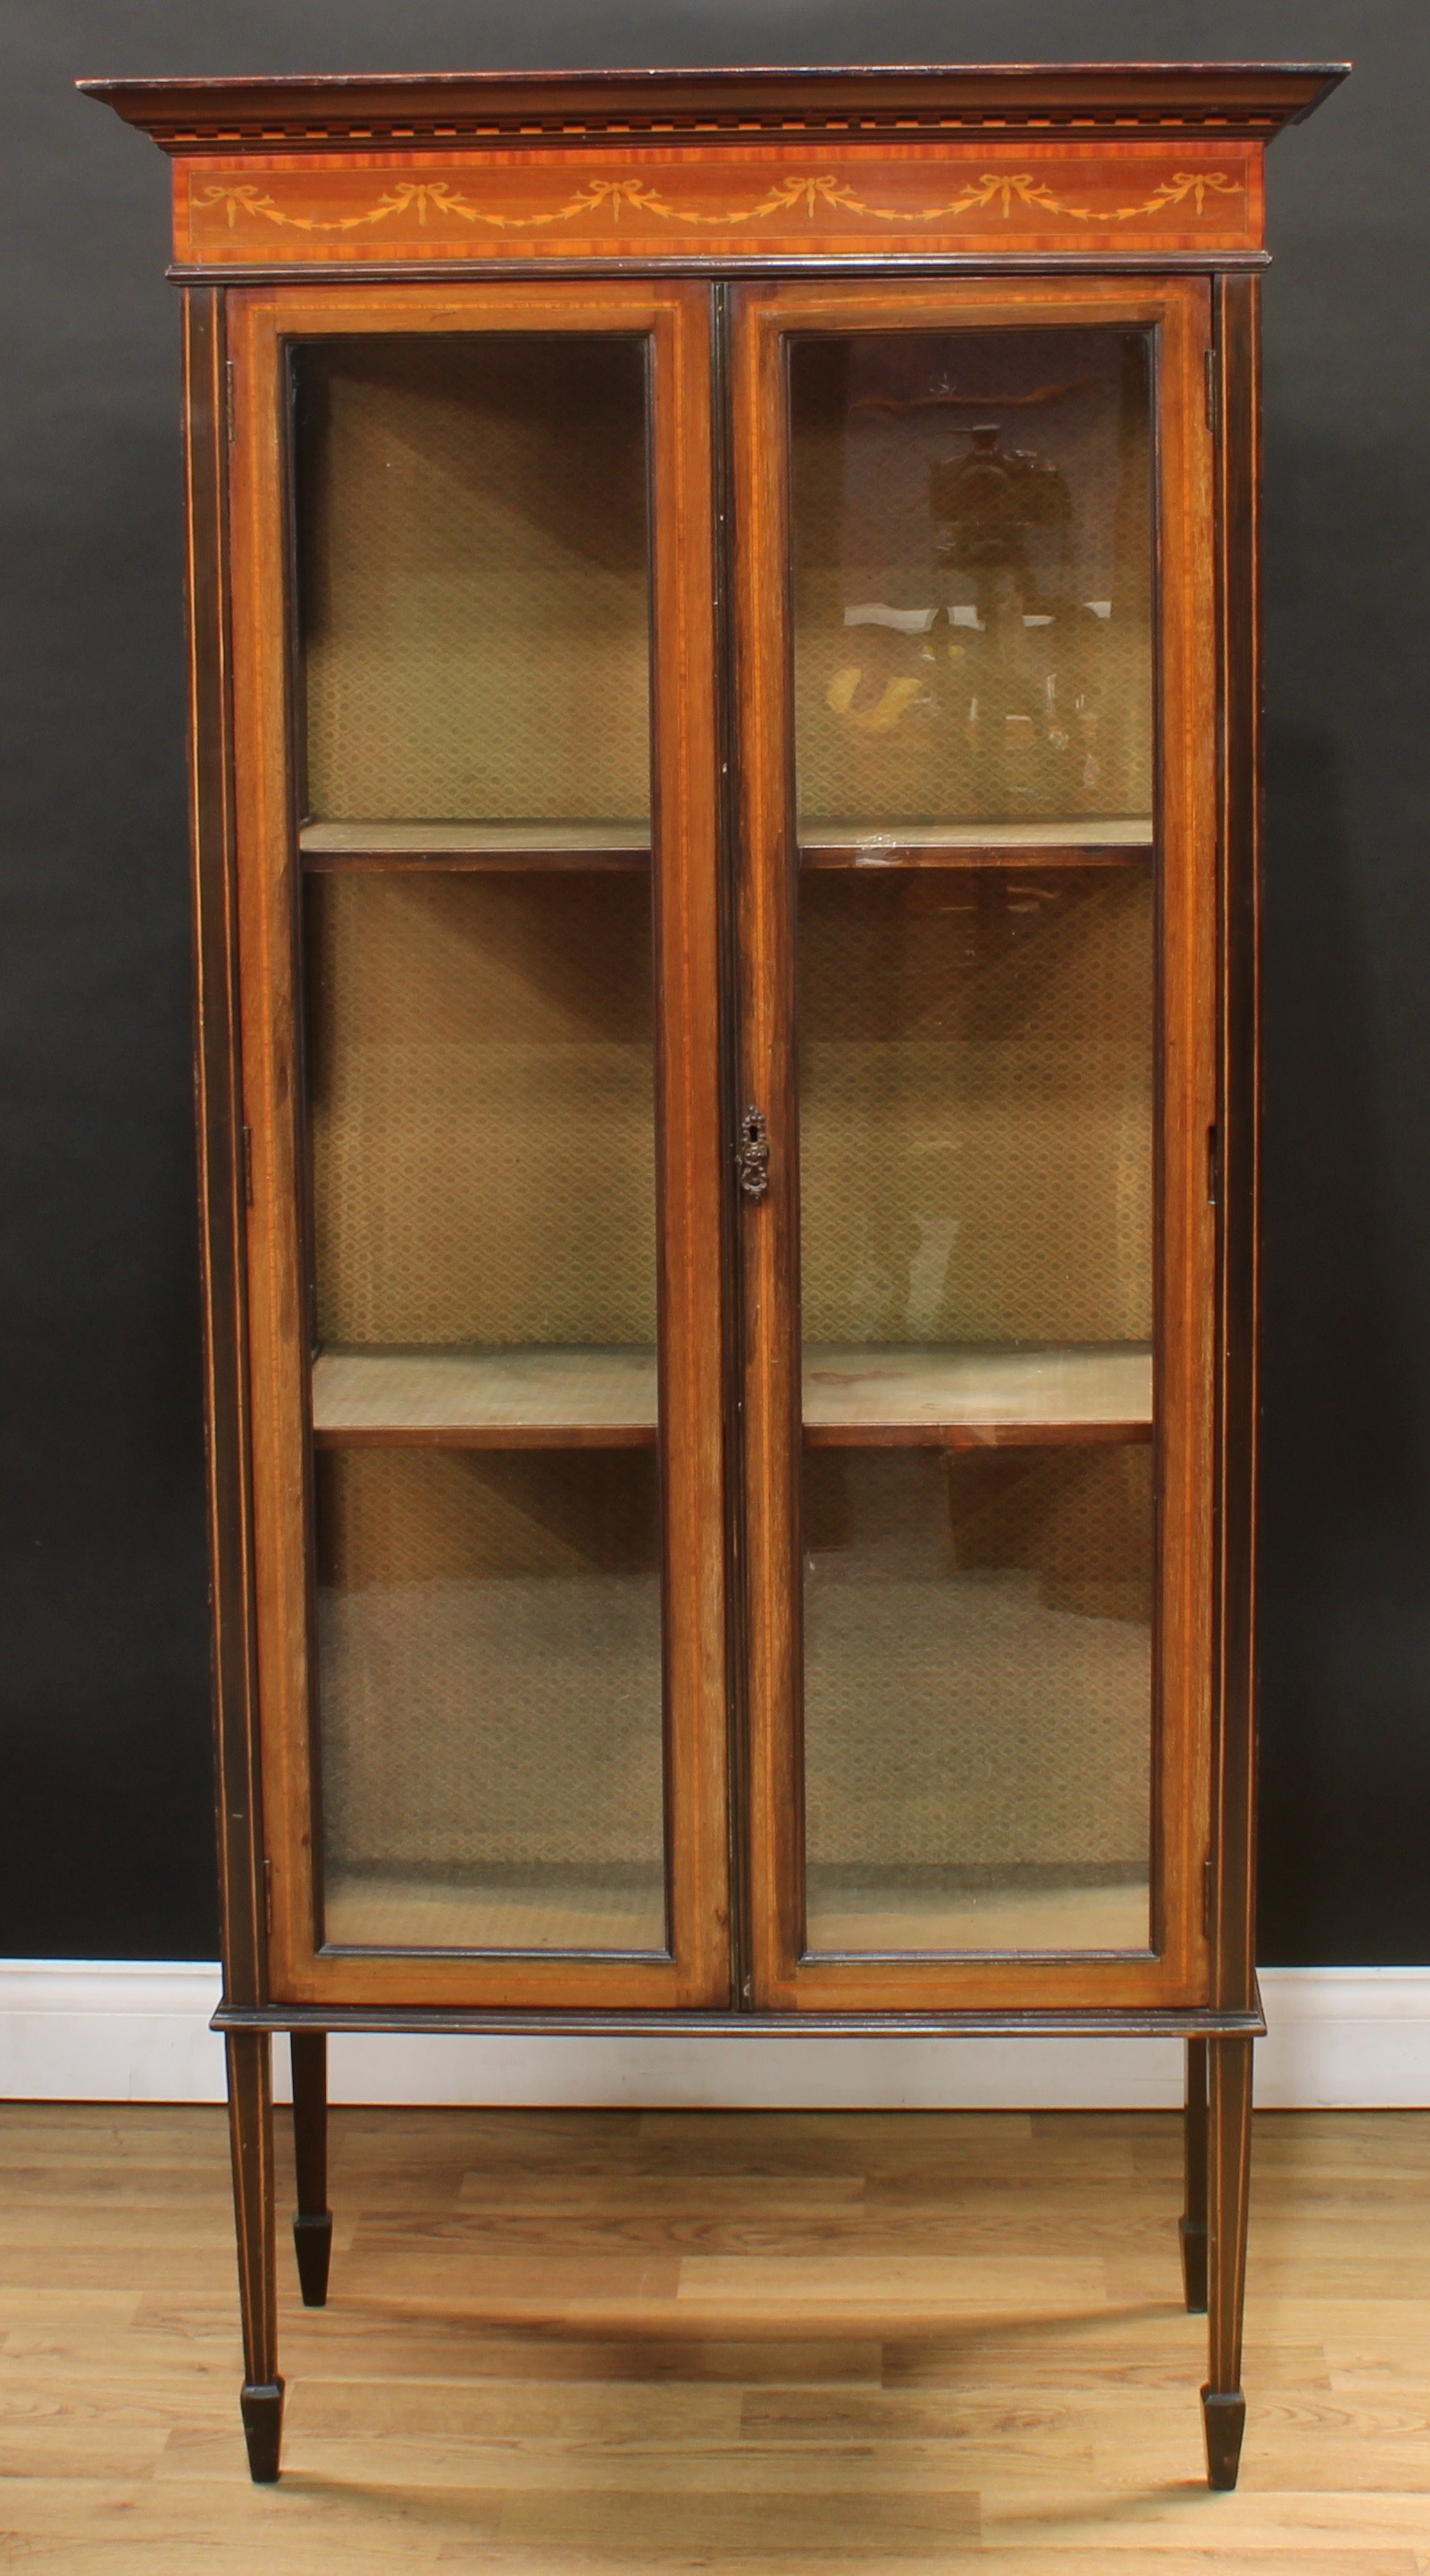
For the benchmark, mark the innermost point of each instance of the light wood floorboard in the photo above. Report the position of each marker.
(873, 2343)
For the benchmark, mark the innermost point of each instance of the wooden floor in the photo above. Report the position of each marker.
(600, 2340)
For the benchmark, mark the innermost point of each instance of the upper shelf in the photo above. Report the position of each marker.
(475, 845)
(501, 1399)
(836, 842)
(1082, 842)
(541, 1398)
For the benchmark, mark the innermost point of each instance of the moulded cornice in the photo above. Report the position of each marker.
(342, 111)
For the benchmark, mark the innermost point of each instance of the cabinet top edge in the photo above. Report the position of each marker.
(192, 114)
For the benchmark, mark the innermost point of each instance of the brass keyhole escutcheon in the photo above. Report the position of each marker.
(753, 1159)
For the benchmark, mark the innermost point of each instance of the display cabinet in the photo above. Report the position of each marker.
(724, 782)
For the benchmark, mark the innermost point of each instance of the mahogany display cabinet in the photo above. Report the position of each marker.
(724, 709)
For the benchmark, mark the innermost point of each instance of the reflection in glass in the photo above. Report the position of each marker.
(978, 1699)
(972, 567)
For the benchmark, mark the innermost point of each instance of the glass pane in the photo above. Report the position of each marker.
(978, 1687)
(475, 577)
(481, 1111)
(972, 580)
(489, 1641)
(976, 1107)
(482, 1108)
(976, 1003)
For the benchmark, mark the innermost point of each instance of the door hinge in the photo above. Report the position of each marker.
(1213, 1167)
(245, 1163)
(268, 1898)
(1211, 370)
(228, 399)
(1208, 1896)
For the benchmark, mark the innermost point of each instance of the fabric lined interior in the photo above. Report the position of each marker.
(475, 630)
(490, 1698)
(976, 1107)
(475, 575)
(482, 1107)
(976, 1143)
(977, 1731)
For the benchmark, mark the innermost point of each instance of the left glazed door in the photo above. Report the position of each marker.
(476, 800)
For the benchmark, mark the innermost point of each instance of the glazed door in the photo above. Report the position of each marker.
(978, 938)
(474, 695)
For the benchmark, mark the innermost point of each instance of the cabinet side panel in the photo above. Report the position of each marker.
(1238, 476)
(1189, 967)
(218, 1089)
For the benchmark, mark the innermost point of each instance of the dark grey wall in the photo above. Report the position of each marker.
(104, 1765)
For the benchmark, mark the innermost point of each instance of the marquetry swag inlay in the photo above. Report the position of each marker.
(999, 190)
(766, 199)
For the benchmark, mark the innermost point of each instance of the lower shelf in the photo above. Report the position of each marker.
(392, 1912)
(607, 1398)
(883, 1920)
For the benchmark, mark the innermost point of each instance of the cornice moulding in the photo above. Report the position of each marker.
(1252, 100)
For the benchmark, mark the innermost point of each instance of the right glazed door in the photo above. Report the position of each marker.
(977, 714)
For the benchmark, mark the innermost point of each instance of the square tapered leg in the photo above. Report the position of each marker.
(1194, 2203)
(313, 2220)
(1228, 2177)
(250, 2129)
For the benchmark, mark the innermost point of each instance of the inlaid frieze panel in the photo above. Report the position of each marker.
(777, 200)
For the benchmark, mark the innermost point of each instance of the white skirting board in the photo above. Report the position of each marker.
(75, 2030)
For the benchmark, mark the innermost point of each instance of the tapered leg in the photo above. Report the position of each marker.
(1228, 2173)
(1194, 2201)
(313, 2220)
(250, 2129)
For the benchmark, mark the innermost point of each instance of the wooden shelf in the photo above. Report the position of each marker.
(835, 843)
(379, 844)
(1083, 842)
(485, 1399)
(976, 1398)
(853, 1398)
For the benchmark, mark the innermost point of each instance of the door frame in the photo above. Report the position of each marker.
(1175, 1972)
(674, 316)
